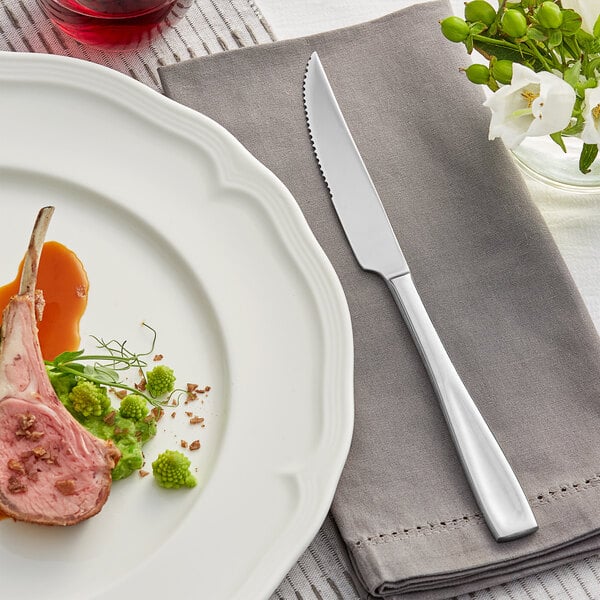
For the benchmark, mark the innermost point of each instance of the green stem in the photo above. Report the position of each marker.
(495, 42)
(106, 358)
(114, 384)
(538, 55)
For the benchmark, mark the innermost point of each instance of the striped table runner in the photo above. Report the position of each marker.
(323, 572)
(208, 26)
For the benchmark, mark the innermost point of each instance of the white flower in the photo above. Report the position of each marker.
(533, 104)
(591, 116)
(587, 9)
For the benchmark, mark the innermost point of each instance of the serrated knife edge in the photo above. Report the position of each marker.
(371, 236)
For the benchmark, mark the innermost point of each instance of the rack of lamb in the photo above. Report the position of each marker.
(52, 470)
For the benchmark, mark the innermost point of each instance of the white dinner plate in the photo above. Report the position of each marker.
(179, 226)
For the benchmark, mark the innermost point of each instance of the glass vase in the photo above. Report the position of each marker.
(543, 159)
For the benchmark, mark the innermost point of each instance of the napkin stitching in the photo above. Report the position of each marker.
(407, 533)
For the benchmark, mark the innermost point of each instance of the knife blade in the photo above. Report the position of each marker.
(376, 248)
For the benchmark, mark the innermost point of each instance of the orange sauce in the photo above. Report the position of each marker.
(65, 285)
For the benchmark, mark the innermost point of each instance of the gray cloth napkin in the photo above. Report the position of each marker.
(489, 273)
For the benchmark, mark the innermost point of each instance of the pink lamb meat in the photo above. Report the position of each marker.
(52, 470)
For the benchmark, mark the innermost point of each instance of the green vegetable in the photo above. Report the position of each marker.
(172, 470)
(133, 406)
(128, 435)
(455, 29)
(160, 381)
(88, 399)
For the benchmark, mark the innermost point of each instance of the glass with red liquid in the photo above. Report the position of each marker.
(114, 24)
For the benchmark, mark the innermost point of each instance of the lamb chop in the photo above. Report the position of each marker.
(52, 470)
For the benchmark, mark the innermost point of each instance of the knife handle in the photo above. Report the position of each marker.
(494, 485)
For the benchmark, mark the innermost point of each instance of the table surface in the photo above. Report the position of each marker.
(323, 572)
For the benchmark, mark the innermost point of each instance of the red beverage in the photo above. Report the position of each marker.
(114, 24)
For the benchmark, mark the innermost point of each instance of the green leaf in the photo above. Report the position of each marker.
(574, 129)
(596, 30)
(585, 40)
(503, 53)
(587, 157)
(571, 74)
(102, 373)
(537, 35)
(477, 28)
(557, 137)
(469, 44)
(571, 22)
(555, 39)
(66, 357)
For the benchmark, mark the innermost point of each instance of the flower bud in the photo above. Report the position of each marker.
(549, 15)
(480, 11)
(477, 73)
(455, 29)
(502, 71)
(514, 23)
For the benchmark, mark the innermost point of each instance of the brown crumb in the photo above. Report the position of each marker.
(188, 413)
(192, 387)
(121, 394)
(65, 486)
(157, 357)
(27, 421)
(196, 420)
(15, 485)
(195, 445)
(16, 465)
(36, 435)
(109, 419)
(39, 451)
(143, 473)
(173, 414)
(207, 389)
(183, 443)
(157, 413)
(141, 386)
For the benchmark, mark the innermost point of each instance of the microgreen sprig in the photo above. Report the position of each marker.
(106, 368)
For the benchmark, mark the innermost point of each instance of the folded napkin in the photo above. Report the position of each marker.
(489, 274)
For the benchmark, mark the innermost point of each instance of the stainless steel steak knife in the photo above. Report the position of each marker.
(376, 248)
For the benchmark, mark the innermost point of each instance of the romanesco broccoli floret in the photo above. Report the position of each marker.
(89, 399)
(172, 470)
(160, 381)
(134, 407)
